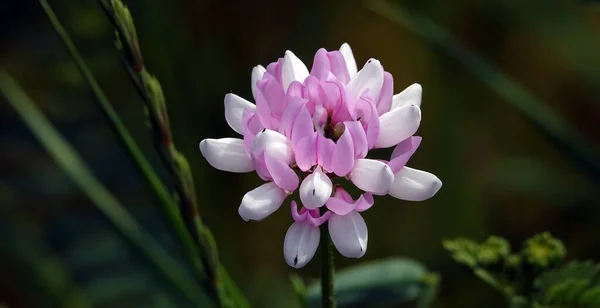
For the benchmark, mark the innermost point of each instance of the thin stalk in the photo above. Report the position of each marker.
(69, 160)
(149, 88)
(168, 205)
(327, 269)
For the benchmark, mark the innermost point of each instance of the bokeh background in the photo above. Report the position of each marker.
(503, 173)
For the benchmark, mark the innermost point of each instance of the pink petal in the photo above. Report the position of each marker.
(251, 125)
(234, 111)
(338, 66)
(293, 106)
(295, 215)
(384, 100)
(364, 202)
(359, 138)
(227, 154)
(274, 95)
(325, 148)
(303, 126)
(282, 174)
(341, 193)
(346, 106)
(339, 206)
(402, 153)
(321, 66)
(258, 160)
(343, 155)
(306, 153)
(315, 219)
(262, 107)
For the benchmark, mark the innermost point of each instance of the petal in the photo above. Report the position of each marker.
(321, 66)
(315, 219)
(414, 185)
(349, 234)
(303, 126)
(349, 58)
(339, 206)
(295, 215)
(343, 155)
(397, 125)
(277, 144)
(315, 189)
(384, 101)
(369, 77)
(364, 202)
(306, 153)
(372, 176)
(292, 69)
(300, 244)
(410, 96)
(257, 74)
(290, 113)
(227, 154)
(325, 148)
(260, 202)
(403, 151)
(359, 138)
(341, 193)
(251, 126)
(234, 110)
(338, 66)
(282, 174)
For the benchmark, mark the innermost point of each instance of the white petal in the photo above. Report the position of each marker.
(410, 96)
(278, 144)
(234, 109)
(372, 176)
(300, 244)
(349, 57)
(349, 234)
(414, 185)
(369, 77)
(227, 154)
(315, 190)
(260, 202)
(292, 69)
(397, 125)
(257, 74)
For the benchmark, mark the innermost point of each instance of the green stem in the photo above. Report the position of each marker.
(327, 269)
(169, 207)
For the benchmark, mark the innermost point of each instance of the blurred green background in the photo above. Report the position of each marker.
(505, 170)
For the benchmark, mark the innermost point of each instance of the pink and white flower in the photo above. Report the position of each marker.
(309, 127)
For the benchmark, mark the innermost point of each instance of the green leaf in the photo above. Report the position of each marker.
(586, 270)
(463, 251)
(70, 161)
(378, 283)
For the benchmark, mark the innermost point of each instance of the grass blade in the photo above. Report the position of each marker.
(168, 205)
(68, 159)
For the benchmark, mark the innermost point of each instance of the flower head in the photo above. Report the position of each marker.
(309, 127)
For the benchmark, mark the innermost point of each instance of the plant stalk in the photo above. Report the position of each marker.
(327, 269)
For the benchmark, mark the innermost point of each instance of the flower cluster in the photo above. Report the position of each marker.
(308, 128)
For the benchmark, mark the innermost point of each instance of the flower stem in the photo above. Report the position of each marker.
(327, 269)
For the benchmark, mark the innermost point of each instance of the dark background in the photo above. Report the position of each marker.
(502, 173)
